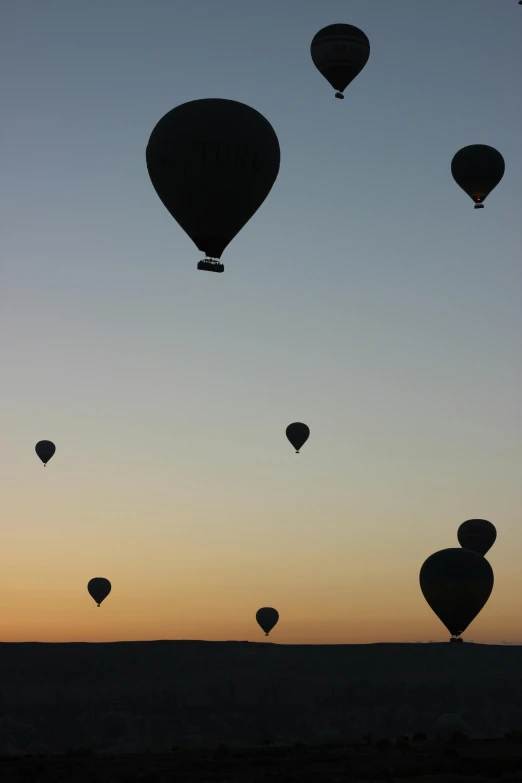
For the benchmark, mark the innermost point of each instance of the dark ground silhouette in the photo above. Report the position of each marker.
(127, 696)
(403, 759)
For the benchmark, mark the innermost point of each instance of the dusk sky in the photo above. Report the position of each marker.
(366, 298)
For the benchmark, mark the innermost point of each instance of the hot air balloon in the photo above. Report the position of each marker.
(478, 169)
(456, 583)
(297, 434)
(99, 588)
(477, 534)
(213, 162)
(340, 52)
(267, 618)
(45, 450)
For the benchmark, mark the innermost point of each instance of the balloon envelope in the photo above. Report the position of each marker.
(479, 535)
(477, 169)
(297, 433)
(213, 162)
(45, 450)
(340, 52)
(99, 588)
(267, 618)
(456, 583)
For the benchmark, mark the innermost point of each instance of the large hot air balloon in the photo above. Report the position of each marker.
(213, 162)
(45, 450)
(456, 583)
(297, 433)
(478, 169)
(267, 618)
(340, 52)
(99, 588)
(477, 534)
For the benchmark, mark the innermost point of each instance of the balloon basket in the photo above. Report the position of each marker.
(208, 265)
(339, 95)
(479, 206)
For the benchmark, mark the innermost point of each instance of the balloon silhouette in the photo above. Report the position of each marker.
(267, 618)
(297, 433)
(212, 163)
(45, 450)
(99, 588)
(456, 583)
(479, 535)
(478, 169)
(340, 52)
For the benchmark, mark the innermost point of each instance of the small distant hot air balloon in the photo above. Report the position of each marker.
(340, 52)
(456, 583)
(479, 535)
(297, 433)
(212, 163)
(267, 618)
(99, 588)
(478, 169)
(45, 450)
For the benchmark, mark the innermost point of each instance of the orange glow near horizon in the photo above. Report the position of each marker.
(201, 565)
(213, 593)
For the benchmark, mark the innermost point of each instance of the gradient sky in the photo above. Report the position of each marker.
(366, 298)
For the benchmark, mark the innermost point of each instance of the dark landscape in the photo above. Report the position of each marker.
(196, 710)
(404, 759)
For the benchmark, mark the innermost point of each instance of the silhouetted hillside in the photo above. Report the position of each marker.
(131, 695)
